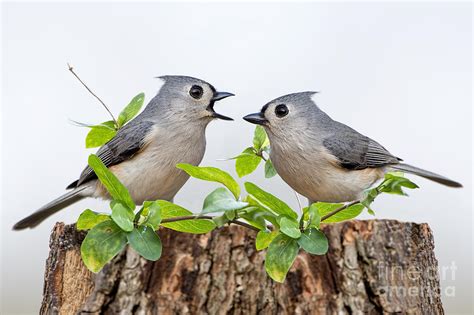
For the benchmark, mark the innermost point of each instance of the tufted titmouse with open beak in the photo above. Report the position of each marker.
(144, 153)
(322, 159)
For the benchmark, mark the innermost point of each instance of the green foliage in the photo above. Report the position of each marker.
(115, 188)
(247, 162)
(264, 238)
(122, 215)
(99, 135)
(198, 226)
(152, 214)
(314, 242)
(212, 174)
(131, 110)
(88, 219)
(221, 200)
(346, 214)
(146, 242)
(290, 227)
(280, 230)
(102, 133)
(274, 204)
(270, 170)
(281, 254)
(311, 214)
(101, 244)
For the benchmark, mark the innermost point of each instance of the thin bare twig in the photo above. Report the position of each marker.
(93, 94)
(347, 205)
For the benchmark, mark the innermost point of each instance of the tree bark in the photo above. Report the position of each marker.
(372, 267)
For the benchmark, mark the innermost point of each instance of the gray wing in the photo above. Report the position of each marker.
(126, 143)
(356, 152)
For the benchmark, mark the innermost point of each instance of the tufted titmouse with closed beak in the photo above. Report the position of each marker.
(144, 153)
(322, 159)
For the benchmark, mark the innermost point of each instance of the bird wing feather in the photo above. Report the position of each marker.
(355, 151)
(127, 142)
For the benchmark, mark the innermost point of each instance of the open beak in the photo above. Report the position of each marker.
(256, 118)
(217, 97)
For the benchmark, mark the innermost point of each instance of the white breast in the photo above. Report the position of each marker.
(318, 176)
(152, 174)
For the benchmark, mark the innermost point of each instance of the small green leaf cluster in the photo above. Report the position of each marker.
(102, 133)
(248, 161)
(109, 233)
(279, 228)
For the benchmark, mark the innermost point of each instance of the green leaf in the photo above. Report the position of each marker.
(221, 200)
(346, 214)
(290, 227)
(198, 226)
(99, 135)
(152, 213)
(102, 243)
(281, 254)
(247, 162)
(122, 215)
(394, 182)
(314, 242)
(260, 138)
(146, 242)
(264, 238)
(268, 200)
(221, 220)
(311, 214)
(88, 219)
(111, 183)
(255, 216)
(267, 213)
(131, 110)
(212, 174)
(270, 171)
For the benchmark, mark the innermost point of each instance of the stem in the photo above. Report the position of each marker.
(244, 225)
(347, 205)
(187, 217)
(93, 94)
(206, 217)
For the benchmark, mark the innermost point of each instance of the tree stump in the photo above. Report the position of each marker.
(372, 267)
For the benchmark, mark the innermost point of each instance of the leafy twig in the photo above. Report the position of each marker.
(93, 94)
(245, 225)
(206, 217)
(347, 205)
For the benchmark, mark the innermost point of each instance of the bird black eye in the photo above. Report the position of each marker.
(196, 92)
(281, 110)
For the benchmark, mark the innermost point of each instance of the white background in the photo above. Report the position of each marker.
(399, 73)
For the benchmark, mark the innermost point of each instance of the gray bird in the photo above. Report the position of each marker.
(322, 159)
(144, 153)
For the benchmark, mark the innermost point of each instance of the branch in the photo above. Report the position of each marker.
(347, 205)
(206, 217)
(93, 94)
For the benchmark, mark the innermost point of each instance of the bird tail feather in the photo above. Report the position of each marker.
(426, 174)
(49, 209)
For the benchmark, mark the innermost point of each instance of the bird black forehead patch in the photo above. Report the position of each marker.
(264, 108)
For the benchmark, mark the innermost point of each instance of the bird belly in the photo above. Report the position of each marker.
(324, 180)
(152, 174)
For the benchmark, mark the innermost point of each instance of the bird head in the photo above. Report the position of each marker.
(285, 113)
(188, 99)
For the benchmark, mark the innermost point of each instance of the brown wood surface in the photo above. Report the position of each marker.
(373, 267)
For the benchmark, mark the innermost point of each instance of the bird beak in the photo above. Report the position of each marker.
(256, 118)
(217, 97)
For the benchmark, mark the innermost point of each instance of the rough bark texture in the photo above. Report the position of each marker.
(373, 267)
